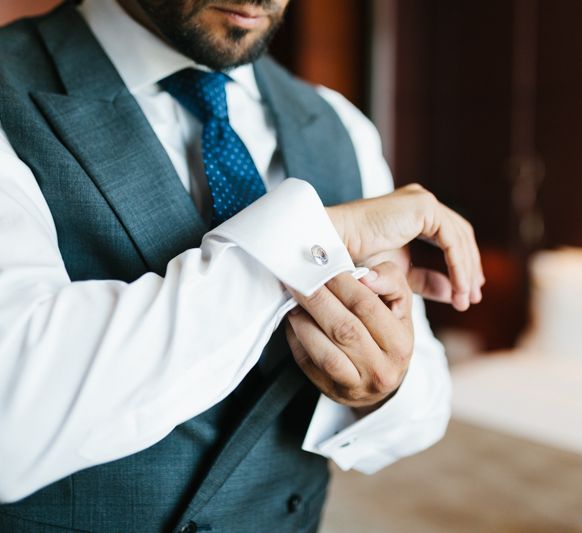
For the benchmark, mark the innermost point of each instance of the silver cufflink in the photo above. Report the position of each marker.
(319, 255)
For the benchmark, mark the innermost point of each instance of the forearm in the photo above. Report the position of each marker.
(103, 369)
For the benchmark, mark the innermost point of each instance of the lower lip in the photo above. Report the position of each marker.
(241, 20)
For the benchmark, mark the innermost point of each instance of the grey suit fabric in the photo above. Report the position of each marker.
(120, 211)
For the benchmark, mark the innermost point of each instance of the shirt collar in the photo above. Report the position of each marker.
(142, 58)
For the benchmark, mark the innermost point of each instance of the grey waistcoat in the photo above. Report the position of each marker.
(120, 211)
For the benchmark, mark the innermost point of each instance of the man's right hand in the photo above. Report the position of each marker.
(376, 225)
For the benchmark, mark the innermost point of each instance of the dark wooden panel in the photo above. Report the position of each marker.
(454, 103)
(559, 121)
(413, 92)
(325, 42)
(470, 110)
(454, 106)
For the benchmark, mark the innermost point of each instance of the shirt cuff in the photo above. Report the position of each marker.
(370, 443)
(280, 229)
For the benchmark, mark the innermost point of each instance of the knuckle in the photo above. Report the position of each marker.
(401, 354)
(423, 193)
(346, 332)
(429, 197)
(383, 382)
(390, 270)
(464, 223)
(398, 275)
(415, 187)
(365, 308)
(355, 394)
(468, 228)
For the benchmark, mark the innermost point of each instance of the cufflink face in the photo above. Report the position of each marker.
(319, 255)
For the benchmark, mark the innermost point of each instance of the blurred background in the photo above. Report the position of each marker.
(481, 102)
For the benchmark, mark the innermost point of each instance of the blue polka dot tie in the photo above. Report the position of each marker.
(233, 179)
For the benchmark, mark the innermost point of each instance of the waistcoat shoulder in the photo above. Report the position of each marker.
(313, 141)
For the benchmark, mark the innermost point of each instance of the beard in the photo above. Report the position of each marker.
(182, 29)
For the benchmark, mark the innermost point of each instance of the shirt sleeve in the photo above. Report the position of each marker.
(417, 416)
(98, 370)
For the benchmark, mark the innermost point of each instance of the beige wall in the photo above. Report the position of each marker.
(13, 9)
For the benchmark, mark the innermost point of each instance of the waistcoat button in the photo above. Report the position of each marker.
(294, 503)
(190, 527)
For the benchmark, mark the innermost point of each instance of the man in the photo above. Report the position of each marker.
(144, 382)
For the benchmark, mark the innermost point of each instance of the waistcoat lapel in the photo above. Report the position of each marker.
(102, 125)
(313, 142)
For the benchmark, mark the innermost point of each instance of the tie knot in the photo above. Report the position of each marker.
(202, 93)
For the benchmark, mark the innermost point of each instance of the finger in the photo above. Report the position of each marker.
(322, 352)
(449, 240)
(476, 295)
(382, 323)
(477, 279)
(389, 282)
(480, 276)
(345, 329)
(340, 325)
(475, 272)
(430, 284)
(464, 298)
(383, 333)
(359, 396)
(476, 254)
(322, 381)
(394, 291)
(461, 227)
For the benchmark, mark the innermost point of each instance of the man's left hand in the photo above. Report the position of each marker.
(354, 339)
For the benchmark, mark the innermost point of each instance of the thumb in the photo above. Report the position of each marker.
(387, 280)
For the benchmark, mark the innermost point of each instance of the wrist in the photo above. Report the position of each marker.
(342, 218)
(335, 214)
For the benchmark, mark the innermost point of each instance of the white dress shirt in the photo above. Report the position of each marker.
(98, 370)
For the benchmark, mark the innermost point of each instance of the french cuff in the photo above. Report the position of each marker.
(366, 443)
(289, 232)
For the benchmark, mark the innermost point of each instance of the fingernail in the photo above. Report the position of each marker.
(370, 276)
